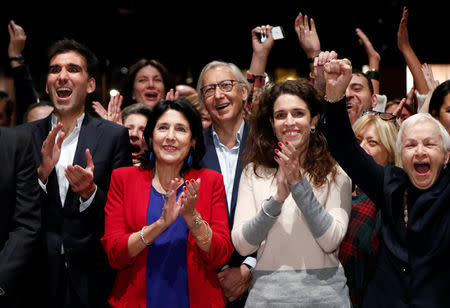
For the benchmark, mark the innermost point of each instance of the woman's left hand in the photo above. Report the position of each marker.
(289, 160)
(189, 197)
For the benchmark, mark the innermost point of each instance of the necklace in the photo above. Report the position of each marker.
(161, 189)
(405, 208)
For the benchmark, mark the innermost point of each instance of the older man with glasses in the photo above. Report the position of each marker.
(223, 90)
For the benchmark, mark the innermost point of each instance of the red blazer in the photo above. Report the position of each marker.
(126, 213)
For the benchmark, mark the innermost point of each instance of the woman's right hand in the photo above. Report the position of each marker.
(283, 190)
(172, 207)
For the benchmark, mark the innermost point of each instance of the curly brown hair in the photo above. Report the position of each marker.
(262, 141)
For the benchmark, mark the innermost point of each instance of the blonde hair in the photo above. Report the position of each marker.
(387, 132)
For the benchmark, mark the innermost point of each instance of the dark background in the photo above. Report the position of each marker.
(186, 36)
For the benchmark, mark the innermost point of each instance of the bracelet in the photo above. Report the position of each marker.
(18, 58)
(373, 74)
(205, 239)
(327, 100)
(197, 222)
(142, 237)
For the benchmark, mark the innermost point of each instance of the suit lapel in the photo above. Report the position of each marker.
(210, 159)
(237, 174)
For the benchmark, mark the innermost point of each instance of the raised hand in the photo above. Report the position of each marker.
(81, 180)
(402, 33)
(318, 70)
(307, 35)
(429, 77)
(50, 152)
(114, 112)
(17, 39)
(171, 95)
(338, 74)
(372, 54)
(262, 46)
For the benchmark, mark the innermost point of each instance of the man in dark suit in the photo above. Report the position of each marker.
(75, 155)
(223, 91)
(20, 219)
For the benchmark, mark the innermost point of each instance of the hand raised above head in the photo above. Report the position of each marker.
(307, 35)
(17, 39)
(338, 74)
(262, 39)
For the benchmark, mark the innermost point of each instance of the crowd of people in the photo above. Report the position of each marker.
(240, 192)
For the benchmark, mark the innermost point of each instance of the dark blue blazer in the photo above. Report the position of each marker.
(211, 161)
(20, 218)
(80, 233)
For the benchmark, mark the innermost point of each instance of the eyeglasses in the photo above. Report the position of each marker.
(224, 86)
(387, 116)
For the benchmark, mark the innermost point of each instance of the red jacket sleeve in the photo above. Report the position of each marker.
(221, 246)
(115, 239)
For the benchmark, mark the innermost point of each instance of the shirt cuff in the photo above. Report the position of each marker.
(84, 205)
(258, 80)
(250, 261)
(43, 186)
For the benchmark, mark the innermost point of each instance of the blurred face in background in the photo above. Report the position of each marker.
(136, 124)
(148, 87)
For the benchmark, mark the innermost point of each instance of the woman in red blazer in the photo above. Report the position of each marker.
(166, 224)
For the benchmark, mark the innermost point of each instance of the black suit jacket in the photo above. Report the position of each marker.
(80, 233)
(20, 218)
(211, 161)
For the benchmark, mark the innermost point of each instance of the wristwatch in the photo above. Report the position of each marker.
(20, 59)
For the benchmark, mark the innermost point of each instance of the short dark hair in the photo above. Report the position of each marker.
(193, 117)
(135, 68)
(9, 104)
(41, 103)
(437, 98)
(67, 45)
(136, 109)
(356, 71)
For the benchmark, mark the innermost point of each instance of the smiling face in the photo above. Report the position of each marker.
(370, 141)
(358, 97)
(423, 155)
(148, 87)
(224, 106)
(136, 124)
(172, 138)
(68, 83)
(292, 121)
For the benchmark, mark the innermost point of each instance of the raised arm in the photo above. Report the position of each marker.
(308, 37)
(374, 60)
(359, 165)
(410, 56)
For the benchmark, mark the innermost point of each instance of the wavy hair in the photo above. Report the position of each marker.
(262, 140)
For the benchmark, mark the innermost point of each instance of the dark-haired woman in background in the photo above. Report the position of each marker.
(440, 104)
(166, 226)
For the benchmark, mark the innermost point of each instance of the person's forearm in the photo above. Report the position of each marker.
(136, 244)
(415, 67)
(258, 64)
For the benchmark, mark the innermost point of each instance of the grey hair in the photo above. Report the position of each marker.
(423, 117)
(213, 64)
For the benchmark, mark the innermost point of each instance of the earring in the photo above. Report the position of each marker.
(151, 157)
(190, 159)
(313, 130)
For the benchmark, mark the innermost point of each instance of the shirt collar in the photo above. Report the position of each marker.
(239, 134)
(54, 120)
